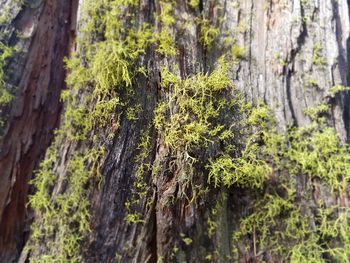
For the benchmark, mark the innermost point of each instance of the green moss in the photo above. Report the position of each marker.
(193, 3)
(250, 168)
(67, 216)
(319, 153)
(337, 89)
(316, 113)
(279, 222)
(188, 241)
(242, 27)
(311, 83)
(317, 57)
(133, 112)
(140, 187)
(281, 228)
(100, 78)
(207, 33)
(5, 96)
(215, 214)
(200, 102)
(166, 43)
(166, 17)
(204, 123)
(134, 218)
(246, 171)
(238, 52)
(5, 14)
(165, 38)
(5, 54)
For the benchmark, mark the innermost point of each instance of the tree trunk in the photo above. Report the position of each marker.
(40, 31)
(165, 102)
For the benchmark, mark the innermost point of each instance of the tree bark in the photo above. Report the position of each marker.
(41, 31)
(295, 52)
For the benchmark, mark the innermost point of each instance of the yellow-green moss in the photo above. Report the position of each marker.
(280, 221)
(238, 52)
(100, 80)
(337, 89)
(199, 100)
(250, 168)
(67, 217)
(199, 112)
(317, 58)
(5, 54)
(140, 187)
(165, 38)
(207, 33)
(5, 96)
(193, 3)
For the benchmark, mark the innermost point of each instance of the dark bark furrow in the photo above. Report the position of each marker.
(292, 54)
(35, 113)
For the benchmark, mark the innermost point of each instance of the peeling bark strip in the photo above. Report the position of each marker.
(41, 30)
(128, 179)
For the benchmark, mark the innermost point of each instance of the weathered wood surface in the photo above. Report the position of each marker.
(41, 30)
(280, 38)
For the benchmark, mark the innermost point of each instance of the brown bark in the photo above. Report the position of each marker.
(262, 75)
(279, 39)
(38, 73)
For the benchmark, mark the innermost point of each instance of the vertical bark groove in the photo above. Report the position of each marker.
(294, 52)
(35, 113)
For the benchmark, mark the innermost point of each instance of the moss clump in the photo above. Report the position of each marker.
(319, 153)
(249, 168)
(165, 38)
(281, 222)
(311, 83)
(337, 89)
(238, 52)
(67, 217)
(5, 96)
(317, 57)
(207, 33)
(282, 228)
(101, 76)
(246, 171)
(140, 187)
(194, 120)
(199, 101)
(193, 3)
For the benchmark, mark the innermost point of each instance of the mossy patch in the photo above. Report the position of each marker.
(281, 222)
(205, 124)
(200, 102)
(100, 77)
(6, 97)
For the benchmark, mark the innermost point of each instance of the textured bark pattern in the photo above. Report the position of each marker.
(280, 38)
(38, 74)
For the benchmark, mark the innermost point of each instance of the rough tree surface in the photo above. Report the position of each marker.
(176, 131)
